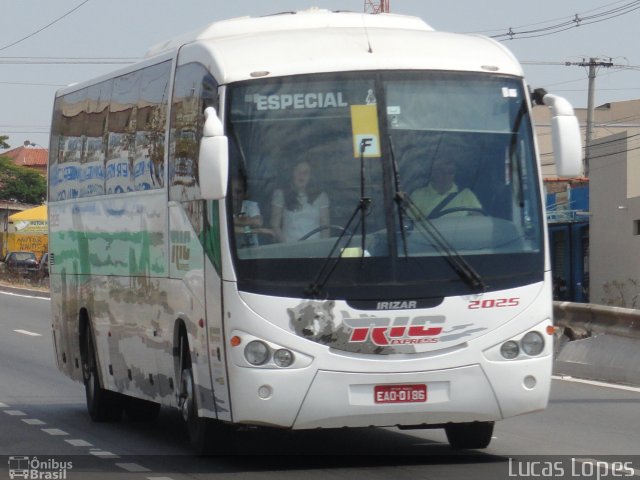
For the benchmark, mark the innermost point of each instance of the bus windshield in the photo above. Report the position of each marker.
(370, 183)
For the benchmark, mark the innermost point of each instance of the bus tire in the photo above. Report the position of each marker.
(102, 405)
(139, 410)
(469, 435)
(207, 436)
(197, 427)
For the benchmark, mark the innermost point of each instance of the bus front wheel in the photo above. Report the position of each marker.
(103, 405)
(206, 435)
(197, 427)
(469, 435)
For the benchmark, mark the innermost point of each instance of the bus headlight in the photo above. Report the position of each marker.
(510, 349)
(256, 352)
(283, 358)
(532, 343)
(247, 350)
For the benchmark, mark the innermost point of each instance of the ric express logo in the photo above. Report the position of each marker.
(385, 331)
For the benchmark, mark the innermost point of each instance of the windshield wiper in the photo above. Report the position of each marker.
(457, 262)
(317, 286)
(401, 211)
(512, 149)
(324, 273)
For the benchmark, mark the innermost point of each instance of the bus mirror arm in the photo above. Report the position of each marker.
(566, 137)
(213, 161)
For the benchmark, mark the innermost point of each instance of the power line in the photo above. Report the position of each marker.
(31, 84)
(571, 22)
(20, 132)
(488, 31)
(45, 27)
(624, 139)
(65, 61)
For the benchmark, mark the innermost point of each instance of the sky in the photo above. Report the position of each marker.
(47, 44)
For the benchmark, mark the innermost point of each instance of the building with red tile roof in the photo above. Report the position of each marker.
(29, 156)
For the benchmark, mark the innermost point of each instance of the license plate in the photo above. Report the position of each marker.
(400, 393)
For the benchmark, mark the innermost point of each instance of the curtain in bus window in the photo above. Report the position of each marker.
(92, 175)
(66, 180)
(55, 149)
(148, 162)
(122, 130)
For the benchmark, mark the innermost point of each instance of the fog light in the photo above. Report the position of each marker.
(530, 382)
(264, 392)
(256, 352)
(509, 350)
(283, 358)
(532, 343)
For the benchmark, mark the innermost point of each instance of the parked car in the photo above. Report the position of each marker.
(43, 267)
(21, 262)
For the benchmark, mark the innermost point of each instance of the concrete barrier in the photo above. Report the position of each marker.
(597, 342)
(587, 319)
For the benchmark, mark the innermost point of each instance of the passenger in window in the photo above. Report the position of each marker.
(442, 196)
(300, 208)
(247, 218)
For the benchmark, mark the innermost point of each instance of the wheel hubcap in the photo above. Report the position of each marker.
(186, 395)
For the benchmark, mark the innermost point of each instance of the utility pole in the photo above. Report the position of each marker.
(376, 6)
(593, 64)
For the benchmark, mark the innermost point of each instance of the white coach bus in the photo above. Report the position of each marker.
(391, 310)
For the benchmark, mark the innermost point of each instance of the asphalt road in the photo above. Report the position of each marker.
(43, 421)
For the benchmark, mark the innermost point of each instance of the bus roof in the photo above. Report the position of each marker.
(323, 41)
(313, 18)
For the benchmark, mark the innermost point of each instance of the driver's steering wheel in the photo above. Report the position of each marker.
(447, 211)
(321, 228)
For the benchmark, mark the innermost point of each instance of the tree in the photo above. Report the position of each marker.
(3, 142)
(21, 184)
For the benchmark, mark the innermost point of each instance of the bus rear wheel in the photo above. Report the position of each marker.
(469, 435)
(103, 405)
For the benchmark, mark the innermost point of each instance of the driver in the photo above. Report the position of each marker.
(300, 207)
(441, 195)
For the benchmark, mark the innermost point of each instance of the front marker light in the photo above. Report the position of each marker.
(510, 350)
(532, 343)
(283, 358)
(256, 352)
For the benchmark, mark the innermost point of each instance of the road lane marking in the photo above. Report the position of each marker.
(54, 431)
(103, 453)
(27, 332)
(37, 297)
(77, 442)
(15, 413)
(132, 467)
(33, 421)
(568, 378)
(159, 478)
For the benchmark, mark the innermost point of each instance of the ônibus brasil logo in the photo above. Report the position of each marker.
(37, 469)
(385, 331)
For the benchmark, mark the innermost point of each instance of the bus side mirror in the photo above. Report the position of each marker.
(213, 164)
(566, 137)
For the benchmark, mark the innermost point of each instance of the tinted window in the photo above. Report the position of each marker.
(194, 90)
